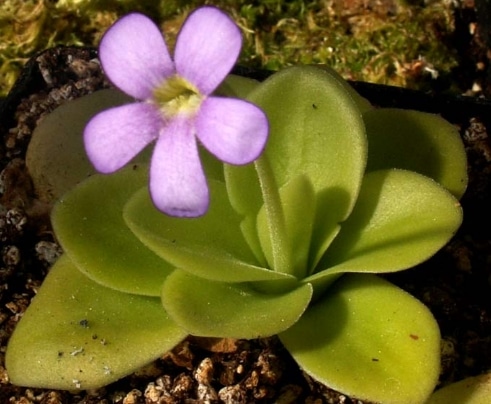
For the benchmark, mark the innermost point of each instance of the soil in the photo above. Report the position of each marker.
(455, 284)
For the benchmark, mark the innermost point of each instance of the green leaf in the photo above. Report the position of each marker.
(362, 103)
(56, 156)
(316, 130)
(212, 167)
(88, 222)
(370, 340)
(298, 202)
(417, 141)
(77, 334)
(236, 86)
(248, 228)
(210, 246)
(401, 219)
(230, 310)
(472, 390)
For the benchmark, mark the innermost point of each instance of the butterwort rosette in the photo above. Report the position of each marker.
(174, 106)
(290, 245)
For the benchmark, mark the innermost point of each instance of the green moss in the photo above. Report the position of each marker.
(398, 45)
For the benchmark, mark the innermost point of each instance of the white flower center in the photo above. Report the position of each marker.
(177, 96)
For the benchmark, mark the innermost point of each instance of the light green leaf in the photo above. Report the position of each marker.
(243, 188)
(212, 167)
(370, 340)
(77, 334)
(248, 228)
(417, 141)
(401, 219)
(472, 390)
(298, 202)
(236, 86)
(56, 156)
(316, 130)
(362, 103)
(211, 246)
(88, 222)
(230, 310)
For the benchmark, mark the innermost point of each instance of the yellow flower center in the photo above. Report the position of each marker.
(177, 96)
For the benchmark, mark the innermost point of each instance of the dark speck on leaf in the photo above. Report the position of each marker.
(84, 323)
(314, 106)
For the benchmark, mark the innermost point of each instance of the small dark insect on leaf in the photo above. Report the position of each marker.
(415, 337)
(314, 106)
(375, 359)
(84, 323)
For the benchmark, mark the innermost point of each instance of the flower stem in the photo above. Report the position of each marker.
(282, 259)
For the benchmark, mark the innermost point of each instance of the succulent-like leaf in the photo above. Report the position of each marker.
(56, 156)
(248, 227)
(362, 103)
(236, 86)
(210, 246)
(316, 130)
(89, 224)
(77, 334)
(370, 340)
(232, 310)
(472, 390)
(298, 201)
(417, 141)
(401, 219)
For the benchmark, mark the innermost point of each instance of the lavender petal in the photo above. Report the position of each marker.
(233, 130)
(177, 183)
(134, 55)
(207, 48)
(114, 136)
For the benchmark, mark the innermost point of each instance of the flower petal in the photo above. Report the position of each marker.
(177, 183)
(207, 48)
(233, 130)
(134, 55)
(114, 136)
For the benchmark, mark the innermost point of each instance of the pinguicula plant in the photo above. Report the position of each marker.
(270, 210)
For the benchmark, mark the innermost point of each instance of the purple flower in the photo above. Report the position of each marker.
(174, 106)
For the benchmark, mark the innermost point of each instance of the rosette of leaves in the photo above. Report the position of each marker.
(291, 246)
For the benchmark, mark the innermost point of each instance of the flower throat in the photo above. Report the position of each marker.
(176, 95)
